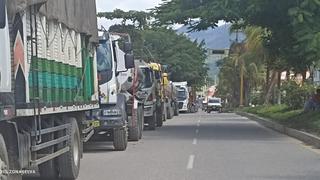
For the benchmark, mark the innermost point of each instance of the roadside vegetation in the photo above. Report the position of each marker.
(273, 68)
(297, 119)
(282, 36)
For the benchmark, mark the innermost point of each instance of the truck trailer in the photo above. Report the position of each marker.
(48, 86)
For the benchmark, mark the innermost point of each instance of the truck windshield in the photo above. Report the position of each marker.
(214, 101)
(2, 14)
(104, 62)
(181, 94)
(147, 83)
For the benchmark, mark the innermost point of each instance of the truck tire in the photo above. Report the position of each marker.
(169, 113)
(152, 121)
(9, 148)
(176, 110)
(120, 139)
(7, 160)
(164, 113)
(69, 162)
(4, 158)
(160, 118)
(141, 122)
(135, 131)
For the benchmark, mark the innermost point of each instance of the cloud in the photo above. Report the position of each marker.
(107, 5)
(126, 5)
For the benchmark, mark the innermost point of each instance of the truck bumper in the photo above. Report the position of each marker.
(105, 122)
(183, 107)
(108, 123)
(148, 110)
(214, 108)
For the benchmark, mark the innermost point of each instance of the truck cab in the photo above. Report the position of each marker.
(111, 119)
(148, 93)
(5, 61)
(161, 113)
(182, 95)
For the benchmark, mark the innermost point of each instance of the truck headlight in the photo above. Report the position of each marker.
(112, 112)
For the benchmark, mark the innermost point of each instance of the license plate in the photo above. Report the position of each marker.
(96, 124)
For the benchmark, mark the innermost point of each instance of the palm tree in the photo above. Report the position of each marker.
(249, 57)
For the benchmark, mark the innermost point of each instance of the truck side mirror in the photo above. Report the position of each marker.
(2, 13)
(129, 61)
(127, 47)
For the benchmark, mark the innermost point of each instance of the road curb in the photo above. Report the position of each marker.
(307, 138)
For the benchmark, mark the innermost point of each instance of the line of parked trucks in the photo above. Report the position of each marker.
(63, 83)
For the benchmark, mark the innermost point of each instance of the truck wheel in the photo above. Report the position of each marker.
(135, 131)
(4, 158)
(69, 162)
(120, 139)
(176, 111)
(141, 122)
(160, 118)
(164, 114)
(152, 121)
(7, 160)
(169, 113)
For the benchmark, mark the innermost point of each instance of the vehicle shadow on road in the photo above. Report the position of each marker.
(98, 147)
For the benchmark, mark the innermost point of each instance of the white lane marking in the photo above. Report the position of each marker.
(197, 131)
(194, 142)
(190, 162)
(199, 121)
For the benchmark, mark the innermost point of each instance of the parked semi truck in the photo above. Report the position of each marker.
(170, 94)
(111, 119)
(148, 91)
(161, 110)
(47, 85)
(186, 97)
(182, 95)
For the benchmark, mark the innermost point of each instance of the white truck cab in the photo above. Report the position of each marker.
(182, 95)
(5, 67)
(111, 117)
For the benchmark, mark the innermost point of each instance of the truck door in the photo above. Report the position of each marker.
(5, 61)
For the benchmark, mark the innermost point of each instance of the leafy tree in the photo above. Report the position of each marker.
(305, 17)
(247, 57)
(139, 18)
(136, 37)
(186, 59)
(292, 34)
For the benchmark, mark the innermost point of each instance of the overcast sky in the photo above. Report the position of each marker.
(110, 5)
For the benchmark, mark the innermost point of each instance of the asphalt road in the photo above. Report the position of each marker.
(204, 147)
